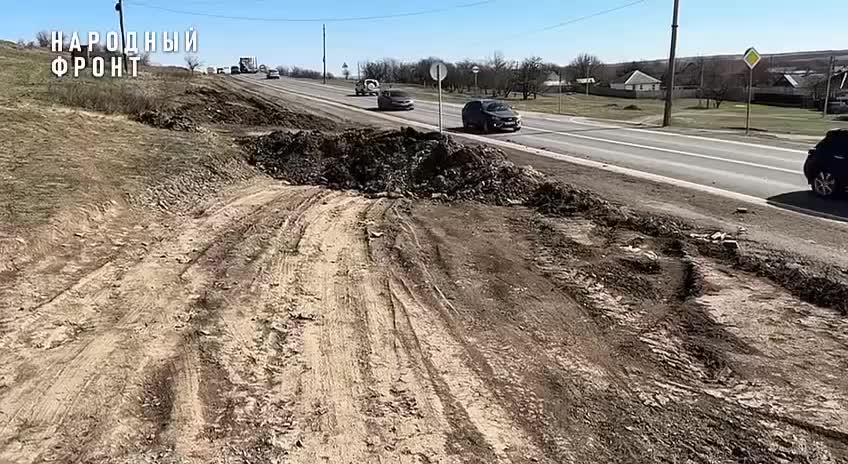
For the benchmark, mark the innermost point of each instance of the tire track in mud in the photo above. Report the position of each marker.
(148, 294)
(313, 362)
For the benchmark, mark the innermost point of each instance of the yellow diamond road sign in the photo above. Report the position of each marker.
(752, 57)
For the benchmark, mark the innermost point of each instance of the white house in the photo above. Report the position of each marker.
(636, 80)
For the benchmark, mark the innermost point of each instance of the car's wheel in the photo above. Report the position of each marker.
(516, 129)
(486, 127)
(825, 184)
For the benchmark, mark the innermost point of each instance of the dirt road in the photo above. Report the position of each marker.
(260, 329)
(162, 300)
(300, 324)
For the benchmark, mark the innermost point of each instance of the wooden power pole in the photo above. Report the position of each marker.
(120, 7)
(669, 91)
(827, 91)
(324, 31)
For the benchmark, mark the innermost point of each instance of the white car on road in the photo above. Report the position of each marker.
(368, 87)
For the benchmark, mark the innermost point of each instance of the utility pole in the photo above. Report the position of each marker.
(324, 33)
(560, 90)
(120, 7)
(669, 91)
(701, 84)
(827, 92)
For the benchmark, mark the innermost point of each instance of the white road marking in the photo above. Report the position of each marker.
(591, 122)
(661, 149)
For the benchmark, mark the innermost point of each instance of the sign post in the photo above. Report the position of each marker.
(476, 70)
(751, 58)
(438, 71)
(586, 83)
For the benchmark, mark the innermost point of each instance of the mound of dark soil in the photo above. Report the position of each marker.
(633, 108)
(167, 120)
(405, 161)
(408, 162)
(209, 105)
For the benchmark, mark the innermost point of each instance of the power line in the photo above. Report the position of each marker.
(576, 20)
(320, 20)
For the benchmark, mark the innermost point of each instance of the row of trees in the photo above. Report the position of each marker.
(295, 71)
(498, 76)
(714, 78)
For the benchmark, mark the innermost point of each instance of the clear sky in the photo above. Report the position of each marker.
(640, 31)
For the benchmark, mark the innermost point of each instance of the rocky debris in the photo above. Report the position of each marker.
(395, 164)
(164, 119)
(730, 244)
(741, 210)
(719, 236)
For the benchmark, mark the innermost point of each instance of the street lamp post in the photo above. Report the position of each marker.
(476, 71)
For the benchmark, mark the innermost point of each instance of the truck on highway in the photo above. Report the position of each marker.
(248, 65)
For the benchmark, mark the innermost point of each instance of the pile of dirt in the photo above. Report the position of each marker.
(633, 108)
(404, 162)
(166, 120)
(208, 105)
(411, 163)
(201, 104)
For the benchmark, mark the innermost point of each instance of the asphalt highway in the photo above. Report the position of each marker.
(752, 169)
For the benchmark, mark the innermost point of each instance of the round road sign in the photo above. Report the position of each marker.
(438, 71)
(475, 69)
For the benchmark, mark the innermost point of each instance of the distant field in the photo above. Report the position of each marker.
(730, 116)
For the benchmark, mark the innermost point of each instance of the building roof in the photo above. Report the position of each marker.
(635, 78)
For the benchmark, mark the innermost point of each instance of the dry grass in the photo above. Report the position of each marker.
(56, 159)
(107, 96)
(25, 73)
(53, 159)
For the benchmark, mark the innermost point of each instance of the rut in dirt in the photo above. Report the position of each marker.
(262, 328)
(409, 163)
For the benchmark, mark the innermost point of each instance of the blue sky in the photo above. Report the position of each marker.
(637, 32)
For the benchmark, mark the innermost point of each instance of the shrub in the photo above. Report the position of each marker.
(43, 39)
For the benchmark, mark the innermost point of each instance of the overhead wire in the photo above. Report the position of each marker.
(314, 20)
(576, 20)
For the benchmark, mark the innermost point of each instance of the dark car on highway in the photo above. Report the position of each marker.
(827, 164)
(395, 100)
(235, 70)
(489, 115)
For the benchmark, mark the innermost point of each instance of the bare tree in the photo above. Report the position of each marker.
(719, 78)
(284, 71)
(501, 73)
(586, 65)
(193, 62)
(531, 74)
(43, 39)
(144, 59)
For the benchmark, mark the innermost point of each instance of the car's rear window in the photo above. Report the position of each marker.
(497, 106)
(397, 93)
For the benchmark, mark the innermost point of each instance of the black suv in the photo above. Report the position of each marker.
(827, 165)
(488, 115)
